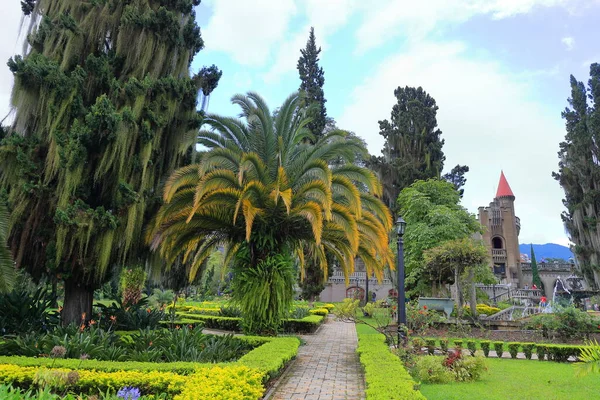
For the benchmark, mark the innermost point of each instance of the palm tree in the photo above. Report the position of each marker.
(263, 191)
(8, 274)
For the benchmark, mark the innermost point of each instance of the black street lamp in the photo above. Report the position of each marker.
(400, 226)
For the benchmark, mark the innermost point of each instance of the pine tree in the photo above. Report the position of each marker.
(579, 173)
(413, 147)
(312, 80)
(534, 271)
(105, 110)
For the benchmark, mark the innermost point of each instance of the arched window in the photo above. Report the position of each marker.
(497, 243)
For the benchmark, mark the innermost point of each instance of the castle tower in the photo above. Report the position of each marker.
(501, 235)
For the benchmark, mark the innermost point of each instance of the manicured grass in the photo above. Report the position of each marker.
(521, 379)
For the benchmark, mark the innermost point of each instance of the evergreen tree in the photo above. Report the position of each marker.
(413, 147)
(313, 101)
(534, 271)
(105, 110)
(456, 176)
(312, 79)
(579, 173)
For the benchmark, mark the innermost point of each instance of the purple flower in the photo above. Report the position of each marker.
(129, 393)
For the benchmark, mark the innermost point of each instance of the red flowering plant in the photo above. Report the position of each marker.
(419, 319)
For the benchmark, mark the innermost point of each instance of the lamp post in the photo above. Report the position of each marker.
(400, 226)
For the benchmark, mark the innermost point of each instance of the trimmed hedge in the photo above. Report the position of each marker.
(319, 311)
(305, 325)
(386, 377)
(242, 379)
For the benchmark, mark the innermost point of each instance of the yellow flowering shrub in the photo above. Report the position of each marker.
(328, 306)
(223, 383)
(319, 311)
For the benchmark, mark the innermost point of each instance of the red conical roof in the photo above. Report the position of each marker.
(503, 187)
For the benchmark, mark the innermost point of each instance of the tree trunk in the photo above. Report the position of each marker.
(473, 293)
(77, 307)
(458, 294)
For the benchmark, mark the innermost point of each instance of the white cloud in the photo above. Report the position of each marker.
(247, 30)
(569, 42)
(414, 20)
(10, 20)
(489, 121)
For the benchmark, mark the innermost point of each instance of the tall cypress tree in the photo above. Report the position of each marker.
(105, 109)
(535, 274)
(413, 144)
(312, 79)
(579, 173)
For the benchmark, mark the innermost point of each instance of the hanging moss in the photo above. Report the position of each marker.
(104, 100)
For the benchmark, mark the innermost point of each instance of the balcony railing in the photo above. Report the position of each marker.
(357, 278)
(526, 266)
(499, 254)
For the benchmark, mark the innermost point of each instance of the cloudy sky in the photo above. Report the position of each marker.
(498, 69)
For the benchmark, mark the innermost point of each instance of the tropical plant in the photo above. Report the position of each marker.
(267, 194)
(590, 358)
(105, 109)
(25, 310)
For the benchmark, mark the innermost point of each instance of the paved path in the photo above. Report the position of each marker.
(326, 368)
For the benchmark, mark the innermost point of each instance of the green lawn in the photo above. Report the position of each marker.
(521, 380)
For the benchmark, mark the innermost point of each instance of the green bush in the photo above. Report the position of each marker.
(513, 349)
(305, 325)
(126, 317)
(565, 323)
(499, 348)
(469, 369)
(458, 345)
(271, 357)
(430, 369)
(324, 312)
(25, 311)
(472, 346)
(540, 350)
(485, 346)
(528, 349)
(430, 346)
(444, 345)
(379, 365)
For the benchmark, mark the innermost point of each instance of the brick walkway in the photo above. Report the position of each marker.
(326, 368)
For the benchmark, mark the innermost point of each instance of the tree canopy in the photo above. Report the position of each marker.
(579, 172)
(413, 144)
(105, 108)
(312, 79)
(265, 193)
(433, 215)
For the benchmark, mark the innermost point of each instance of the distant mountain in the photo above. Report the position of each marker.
(548, 250)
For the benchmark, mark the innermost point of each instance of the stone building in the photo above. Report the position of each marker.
(501, 235)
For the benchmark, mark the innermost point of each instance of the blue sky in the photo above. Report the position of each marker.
(498, 69)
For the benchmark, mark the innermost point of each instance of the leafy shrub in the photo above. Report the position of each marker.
(161, 298)
(230, 311)
(131, 284)
(458, 345)
(472, 346)
(469, 369)
(118, 316)
(346, 310)
(513, 349)
(430, 346)
(223, 383)
(203, 311)
(418, 343)
(298, 312)
(430, 369)
(25, 311)
(444, 345)
(305, 325)
(271, 357)
(565, 323)
(368, 309)
(379, 365)
(528, 349)
(146, 345)
(419, 319)
(328, 306)
(499, 349)
(541, 351)
(485, 346)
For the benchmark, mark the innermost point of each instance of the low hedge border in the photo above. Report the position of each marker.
(379, 365)
(243, 379)
(544, 351)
